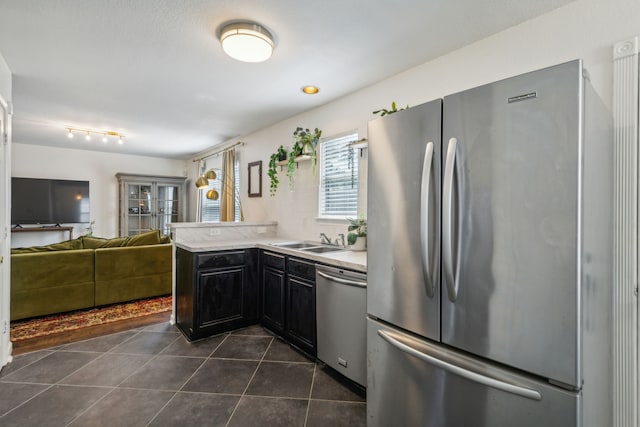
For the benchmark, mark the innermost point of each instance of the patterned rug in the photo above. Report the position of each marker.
(54, 324)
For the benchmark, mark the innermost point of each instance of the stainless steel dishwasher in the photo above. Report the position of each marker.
(341, 310)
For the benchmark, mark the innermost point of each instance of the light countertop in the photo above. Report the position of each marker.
(353, 260)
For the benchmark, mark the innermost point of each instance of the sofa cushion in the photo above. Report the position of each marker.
(130, 273)
(62, 246)
(149, 238)
(90, 242)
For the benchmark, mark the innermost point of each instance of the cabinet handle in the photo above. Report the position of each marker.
(273, 254)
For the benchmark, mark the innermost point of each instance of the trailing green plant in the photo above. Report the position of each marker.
(308, 141)
(272, 172)
(394, 109)
(295, 152)
(305, 142)
(306, 138)
(357, 228)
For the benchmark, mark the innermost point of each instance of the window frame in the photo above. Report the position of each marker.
(323, 211)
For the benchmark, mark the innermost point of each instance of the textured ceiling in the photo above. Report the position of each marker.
(154, 69)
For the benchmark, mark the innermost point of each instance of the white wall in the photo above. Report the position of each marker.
(5, 173)
(33, 161)
(584, 29)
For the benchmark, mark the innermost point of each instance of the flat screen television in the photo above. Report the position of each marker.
(49, 201)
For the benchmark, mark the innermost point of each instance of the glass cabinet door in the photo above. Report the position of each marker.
(149, 203)
(139, 217)
(167, 206)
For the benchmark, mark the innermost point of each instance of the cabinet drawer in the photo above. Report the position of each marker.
(300, 268)
(270, 259)
(219, 259)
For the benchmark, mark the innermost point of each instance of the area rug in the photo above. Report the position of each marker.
(57, 323)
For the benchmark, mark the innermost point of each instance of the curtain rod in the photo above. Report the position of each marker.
(213, 153)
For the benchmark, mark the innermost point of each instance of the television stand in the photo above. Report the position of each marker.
(19, 229)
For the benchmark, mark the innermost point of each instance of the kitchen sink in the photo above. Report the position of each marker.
(322, 249)
(295, 245)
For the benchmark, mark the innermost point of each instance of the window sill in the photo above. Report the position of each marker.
(331, 219)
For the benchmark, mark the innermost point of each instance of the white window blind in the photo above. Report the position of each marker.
(210, 209)
(338, 178)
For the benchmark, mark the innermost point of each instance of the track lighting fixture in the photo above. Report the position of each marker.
(88, 132)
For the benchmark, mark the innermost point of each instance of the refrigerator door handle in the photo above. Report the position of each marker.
(457, 370)
(424, 218)
(447, 221)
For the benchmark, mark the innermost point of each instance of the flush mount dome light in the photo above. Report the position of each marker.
(247, 42)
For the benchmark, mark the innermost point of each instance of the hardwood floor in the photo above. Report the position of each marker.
(39, 343)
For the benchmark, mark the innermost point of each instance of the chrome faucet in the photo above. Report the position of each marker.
(341, 240)
(325, 239)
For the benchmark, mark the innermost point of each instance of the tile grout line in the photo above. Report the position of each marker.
(249, 383)
(114, 388)
(187, 380)
(28, 400)
(61, 349)
(313, 379)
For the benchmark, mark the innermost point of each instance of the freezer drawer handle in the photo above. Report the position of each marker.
(457, 370)
(342, 281)
(447, 222)
(424, 218)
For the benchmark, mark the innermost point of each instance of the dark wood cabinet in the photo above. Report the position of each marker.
(215, 291)
(273, 299)
(288, 299)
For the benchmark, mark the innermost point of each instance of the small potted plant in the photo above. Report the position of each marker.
(357, 233)
(276, 157)
(394, 109)
(307, 140)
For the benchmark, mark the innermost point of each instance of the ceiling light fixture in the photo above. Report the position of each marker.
(247, 42)
(88, 132)
(310, 89)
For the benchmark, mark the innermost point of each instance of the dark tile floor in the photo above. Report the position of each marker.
(153, 376)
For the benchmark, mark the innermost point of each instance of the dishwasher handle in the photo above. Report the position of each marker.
(342, 281)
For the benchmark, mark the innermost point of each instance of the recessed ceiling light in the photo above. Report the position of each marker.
(310, 90)
(247, 42)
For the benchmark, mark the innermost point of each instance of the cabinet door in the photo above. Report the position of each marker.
(220, 298)
(273, 294)
(138, 218)
(301, 313)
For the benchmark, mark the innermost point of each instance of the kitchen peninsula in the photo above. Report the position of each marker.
(231, 275)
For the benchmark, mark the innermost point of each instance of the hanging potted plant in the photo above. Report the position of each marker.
(272, 172)
(357, 233)
(305, 143)
(307, 140)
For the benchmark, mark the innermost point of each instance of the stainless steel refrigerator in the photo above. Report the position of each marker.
(489, 257)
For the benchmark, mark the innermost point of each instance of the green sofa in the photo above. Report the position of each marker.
(88, 272)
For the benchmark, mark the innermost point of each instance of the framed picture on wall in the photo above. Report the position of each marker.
(255, 179)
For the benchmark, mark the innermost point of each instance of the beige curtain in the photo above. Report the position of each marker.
(227, 186)
(227, 205)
